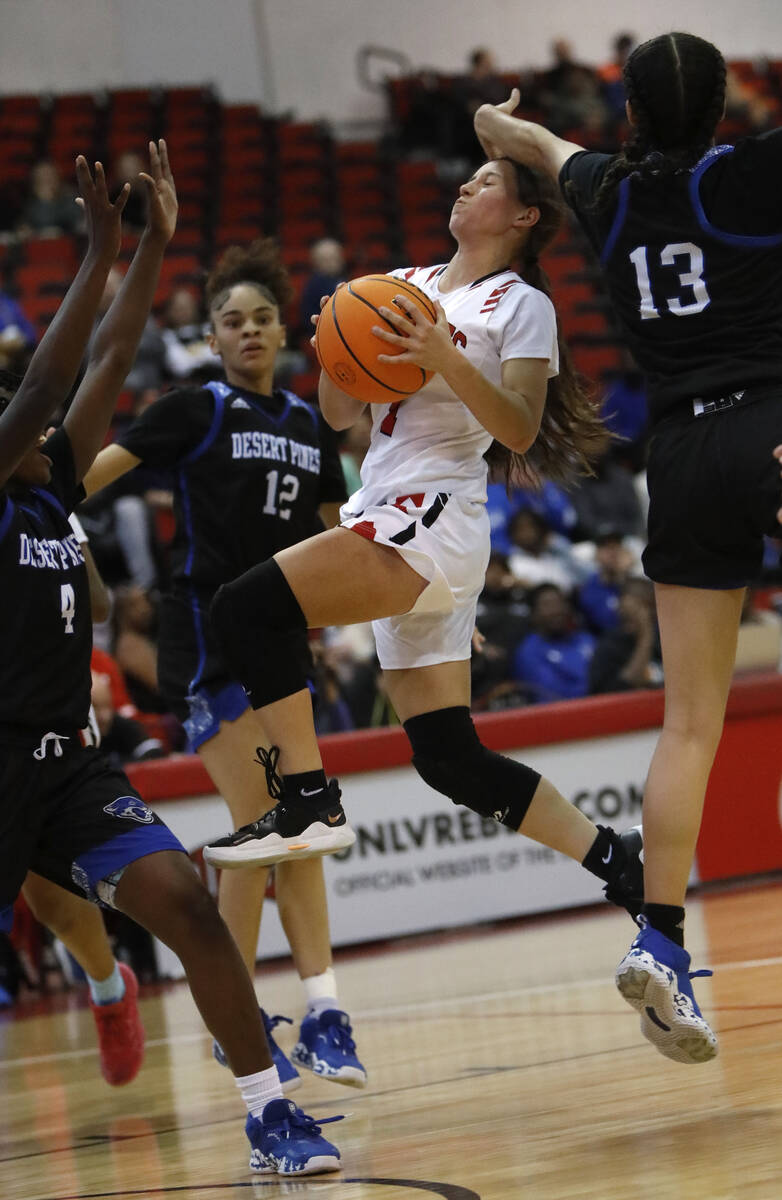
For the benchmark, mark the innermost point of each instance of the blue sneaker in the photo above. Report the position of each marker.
(654, 978)
(286, 1141)
(290, 1078)
(326, 1047)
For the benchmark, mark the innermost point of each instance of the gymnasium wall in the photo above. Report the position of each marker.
(300, 54)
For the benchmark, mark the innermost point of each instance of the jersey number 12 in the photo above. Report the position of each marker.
(692, 278)
(278, 504)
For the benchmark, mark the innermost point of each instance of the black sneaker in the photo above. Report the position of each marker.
(627, 889)
(286, 832)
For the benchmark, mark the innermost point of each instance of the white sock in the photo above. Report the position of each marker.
(258, 1089)
(107, 991)
(321, 992)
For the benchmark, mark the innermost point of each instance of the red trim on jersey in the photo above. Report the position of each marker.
(494, 298)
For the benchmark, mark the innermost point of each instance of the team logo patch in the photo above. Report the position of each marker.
(131, 809)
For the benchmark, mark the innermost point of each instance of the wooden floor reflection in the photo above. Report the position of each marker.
(502, 1064)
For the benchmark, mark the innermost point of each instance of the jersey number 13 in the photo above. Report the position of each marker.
(687, 303)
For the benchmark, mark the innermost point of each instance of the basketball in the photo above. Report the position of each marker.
(347, 348)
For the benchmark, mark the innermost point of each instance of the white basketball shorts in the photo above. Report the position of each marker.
(445, 538)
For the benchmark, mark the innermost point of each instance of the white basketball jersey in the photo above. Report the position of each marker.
(431, 442)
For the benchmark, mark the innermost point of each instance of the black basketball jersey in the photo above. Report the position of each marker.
(45, 619)
(693, 266)
(248, 474)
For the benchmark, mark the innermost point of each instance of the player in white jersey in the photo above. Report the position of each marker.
(418, 566)
(434, 447)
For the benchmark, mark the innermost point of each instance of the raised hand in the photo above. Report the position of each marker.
(102, 217)
(508, 106)
(421, 342)
(161, 192)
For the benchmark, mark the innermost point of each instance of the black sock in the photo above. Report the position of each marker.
(307, 789)
(668, 919)
(606, 856)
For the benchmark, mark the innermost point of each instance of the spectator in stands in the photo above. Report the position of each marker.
(17, 335)
(746, 104)
(122, 738)
(607, 498)
(629, 655)
(327, 259)
(331, 710)
(481, 85)
(127, 169)
(571, 94)
(537, 554)
(549, 500)
(149, 366)
(431, 123)
(502, 620)
(350, 651)
(625, 412)
(760, 637)
(135, 646)
(611, 75)
(599, 594)
(50, 208)
(552, 662)
(185, 334)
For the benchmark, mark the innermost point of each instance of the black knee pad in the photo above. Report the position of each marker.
(262, 634)
(450, 757)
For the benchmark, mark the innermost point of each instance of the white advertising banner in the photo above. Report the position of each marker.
(421, 863)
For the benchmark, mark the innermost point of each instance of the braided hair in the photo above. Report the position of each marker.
(675, 85)
(572, 435)
(258, 265)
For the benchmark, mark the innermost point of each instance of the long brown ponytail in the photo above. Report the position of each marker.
(572, 435)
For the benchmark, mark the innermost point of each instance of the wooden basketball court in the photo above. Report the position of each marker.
(502, 1065)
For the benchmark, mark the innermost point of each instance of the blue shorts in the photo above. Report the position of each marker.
(207, 709)
(192, 674)
(72, 818)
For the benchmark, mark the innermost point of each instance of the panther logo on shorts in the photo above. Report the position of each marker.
(131, 808)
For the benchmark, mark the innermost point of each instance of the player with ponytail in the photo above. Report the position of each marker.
(689, 235)
(411, 552)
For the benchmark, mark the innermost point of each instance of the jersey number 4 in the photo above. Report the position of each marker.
(691, 277)
(67, 605)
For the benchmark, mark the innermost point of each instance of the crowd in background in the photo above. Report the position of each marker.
(566, 611)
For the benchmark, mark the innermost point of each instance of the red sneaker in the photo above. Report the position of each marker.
(120, 1033)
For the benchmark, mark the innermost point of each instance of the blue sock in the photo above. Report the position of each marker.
(107, 991)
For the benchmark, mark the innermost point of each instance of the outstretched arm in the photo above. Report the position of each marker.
(54, 365)
(120, 330)
(505, 136)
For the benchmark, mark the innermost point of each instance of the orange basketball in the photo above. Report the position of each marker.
(347, 348)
